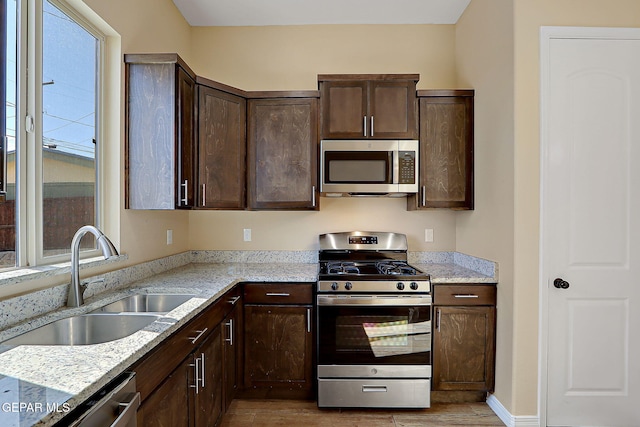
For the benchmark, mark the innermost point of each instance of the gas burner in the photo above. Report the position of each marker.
(395, 268)
(342, 268)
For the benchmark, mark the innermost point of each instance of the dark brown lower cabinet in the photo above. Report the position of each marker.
(232, 352)
(207, 384)
(181, 380)
(167, 405)
(278, 343)
(464, 338)
(192, 392)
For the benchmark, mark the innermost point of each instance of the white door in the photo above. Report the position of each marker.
(591, 226)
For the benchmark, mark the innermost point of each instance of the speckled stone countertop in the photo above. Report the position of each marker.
(40, 384)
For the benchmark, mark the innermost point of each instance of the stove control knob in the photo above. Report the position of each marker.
(400, 286)
(348, 286)
(334, 286)
(414, 286)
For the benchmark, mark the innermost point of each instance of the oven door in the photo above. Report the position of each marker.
(374, 330)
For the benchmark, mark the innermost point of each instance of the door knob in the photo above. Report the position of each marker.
(560, 284)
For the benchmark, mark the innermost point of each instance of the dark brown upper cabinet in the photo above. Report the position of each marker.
(282, 155)
(446, 150)
(221, 148)
(369, 106)
(160, 132)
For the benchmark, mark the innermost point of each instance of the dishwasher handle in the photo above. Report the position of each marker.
(128, 415)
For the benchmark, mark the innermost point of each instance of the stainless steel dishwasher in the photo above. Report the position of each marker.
(114, 406)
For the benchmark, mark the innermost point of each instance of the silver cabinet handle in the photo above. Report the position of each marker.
(277, 294)
(185, 184)
(234, 300)
(197, 337)
(128, 411)
(438, 320)
(364, 123)
(202, 369)
(466, 296)
(313, 196)
(308, 320)
(371, 125)
(196, 375)
(204, 195)
(230, 325)
(424, 195)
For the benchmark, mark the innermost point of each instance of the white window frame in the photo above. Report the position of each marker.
(29, 225)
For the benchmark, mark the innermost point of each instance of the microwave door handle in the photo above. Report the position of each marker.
(395, 172)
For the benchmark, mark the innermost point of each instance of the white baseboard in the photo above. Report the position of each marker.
(510, 420)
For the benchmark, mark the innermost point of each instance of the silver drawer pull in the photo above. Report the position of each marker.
(234, 300)
(185, 184)
(278, 294)
(230, 325)
(374, 388)
(197, 337)
(466, 296)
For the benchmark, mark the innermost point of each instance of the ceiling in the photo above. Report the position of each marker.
(309, 12)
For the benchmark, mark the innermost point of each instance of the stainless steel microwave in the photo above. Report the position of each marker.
(368, 167)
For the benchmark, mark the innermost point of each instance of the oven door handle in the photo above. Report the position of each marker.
(360, 300)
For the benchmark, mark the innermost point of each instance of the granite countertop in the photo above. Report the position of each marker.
(40, 384)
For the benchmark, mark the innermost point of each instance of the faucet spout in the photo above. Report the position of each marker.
(76, 290)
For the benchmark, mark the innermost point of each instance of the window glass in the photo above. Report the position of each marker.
(69, 98)
(8, 129)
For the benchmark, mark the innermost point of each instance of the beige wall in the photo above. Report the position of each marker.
(146, 26)
(300, 230)
(290, 58)
(529, 16)
(484, 59)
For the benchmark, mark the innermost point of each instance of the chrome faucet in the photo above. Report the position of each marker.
(76, 289)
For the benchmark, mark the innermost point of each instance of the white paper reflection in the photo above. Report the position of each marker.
(398, 337)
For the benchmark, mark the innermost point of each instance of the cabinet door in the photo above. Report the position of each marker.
(150, 136)
(186, 155)
(393, 108)
(232, 354)
(282, 153)
(207, 360)
(446, 153)
(464, 348)
(168, 405)
(278, 350)
(344, 109)
(222, 149)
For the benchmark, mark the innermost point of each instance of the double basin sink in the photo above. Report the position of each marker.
(110, 322)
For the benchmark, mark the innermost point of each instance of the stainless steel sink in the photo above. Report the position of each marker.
(146, 303)
(85, 329)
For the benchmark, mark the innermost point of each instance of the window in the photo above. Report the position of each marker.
(53, 131)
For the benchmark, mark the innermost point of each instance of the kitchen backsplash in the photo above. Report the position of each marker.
(24, 307)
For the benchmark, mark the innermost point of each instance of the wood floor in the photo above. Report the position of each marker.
(293, 413)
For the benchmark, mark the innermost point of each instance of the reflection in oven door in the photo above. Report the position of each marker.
(375, 335)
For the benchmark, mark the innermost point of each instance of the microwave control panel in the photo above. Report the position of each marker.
(407, 168)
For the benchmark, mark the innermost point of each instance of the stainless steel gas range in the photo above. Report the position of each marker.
(373, 323)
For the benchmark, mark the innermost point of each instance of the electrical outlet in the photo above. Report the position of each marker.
(169, 237)
(247, 234)
(428, 235)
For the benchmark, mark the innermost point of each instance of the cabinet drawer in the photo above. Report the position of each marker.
(464, 295)
(278, 293)
(161, 361)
